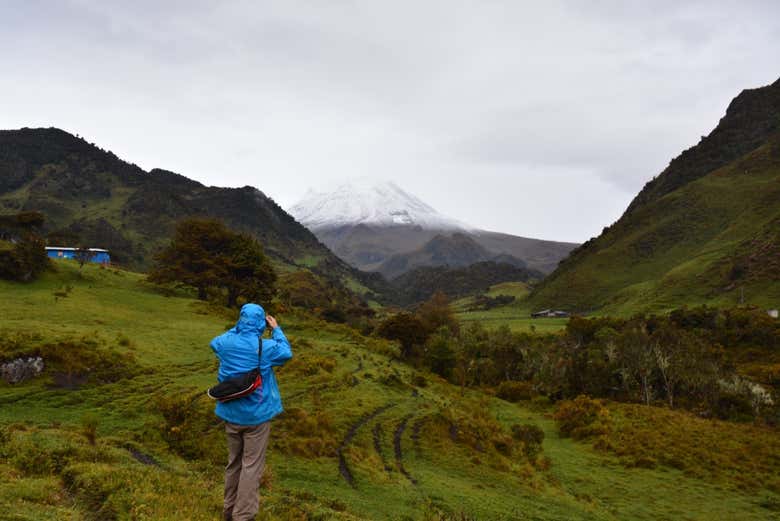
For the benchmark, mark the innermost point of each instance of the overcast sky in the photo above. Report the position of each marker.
(541, 119)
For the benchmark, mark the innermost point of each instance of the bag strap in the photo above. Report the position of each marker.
(259, 351)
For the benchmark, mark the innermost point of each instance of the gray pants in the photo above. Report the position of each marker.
(246, 461)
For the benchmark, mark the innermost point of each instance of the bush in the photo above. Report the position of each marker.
(89, 425)
(515, 391)
(72, 361)
(85, 360)
(188, 427)
(419, 380)
(407, 329)
(582, 418)
(36, 452)
(310, 365)
(531, 436)
(476, 427)
(25, 260)
(307, 434)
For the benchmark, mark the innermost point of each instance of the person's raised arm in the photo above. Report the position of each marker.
(278, 350)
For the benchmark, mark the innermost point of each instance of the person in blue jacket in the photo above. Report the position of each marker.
(247, 419)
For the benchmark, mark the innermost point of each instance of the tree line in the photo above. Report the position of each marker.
(686, 359)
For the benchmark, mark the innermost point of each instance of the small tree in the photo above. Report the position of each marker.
(436, 312)
(439, 352)
(407, 329)
(23, 257)
(205, 254)
(82, 255)
(247, 272)
(638, 358)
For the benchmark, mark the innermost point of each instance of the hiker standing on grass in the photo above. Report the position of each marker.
(247, 419)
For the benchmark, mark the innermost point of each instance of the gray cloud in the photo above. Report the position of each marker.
(535, 119)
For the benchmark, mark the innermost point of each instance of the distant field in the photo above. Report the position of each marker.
(401, 434)
(516, 315)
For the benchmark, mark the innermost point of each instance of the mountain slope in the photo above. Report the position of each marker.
(376, 226)
(706, 230)
(91, 196)
(456, 250)
(419, 284)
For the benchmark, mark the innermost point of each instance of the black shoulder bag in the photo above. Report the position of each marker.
(239, 386)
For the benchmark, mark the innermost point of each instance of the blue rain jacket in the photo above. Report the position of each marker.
(237, 350)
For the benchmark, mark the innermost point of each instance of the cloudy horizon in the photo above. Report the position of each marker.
(541, 121)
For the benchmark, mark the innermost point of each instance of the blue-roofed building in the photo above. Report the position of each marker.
(98, 256)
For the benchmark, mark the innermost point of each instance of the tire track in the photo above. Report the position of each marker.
(416, 428)
(322, 387)
(377, 434)
(343, 467)
(399, 456)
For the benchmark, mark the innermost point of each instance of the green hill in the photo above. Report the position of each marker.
(117, 427)
(420, 283)
(706, 230)
(89, 196)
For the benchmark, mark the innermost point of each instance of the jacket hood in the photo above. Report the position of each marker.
(251, 320)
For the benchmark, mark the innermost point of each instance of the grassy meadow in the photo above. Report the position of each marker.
(363, 436)
(516, 316)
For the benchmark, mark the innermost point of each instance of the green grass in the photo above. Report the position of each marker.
(517, 315)
(50, 471)
(308, 261)
(680, 249)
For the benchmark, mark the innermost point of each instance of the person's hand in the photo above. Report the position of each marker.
(271, 321)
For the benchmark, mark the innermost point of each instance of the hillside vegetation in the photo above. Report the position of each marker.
(92, 198)
(419, 284)
(706, 230)
(117, 427)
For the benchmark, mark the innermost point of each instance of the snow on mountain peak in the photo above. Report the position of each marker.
(367, 201)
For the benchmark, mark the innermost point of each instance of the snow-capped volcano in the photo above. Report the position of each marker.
(368, 202)
(377, 226)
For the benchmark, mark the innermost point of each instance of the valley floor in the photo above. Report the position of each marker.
(363, 436)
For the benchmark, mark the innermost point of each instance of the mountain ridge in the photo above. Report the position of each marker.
(705, 230)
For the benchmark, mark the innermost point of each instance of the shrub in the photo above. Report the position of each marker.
(582, 418)
(71, 361)
(476, 427)
(310, 365)
(89, 424)
(531, 436)
(407, 329)
(38, 452)
(77, 361)
(419, 380)
(307, 434)
(25, 260)
(515, 391)
(188, 427)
